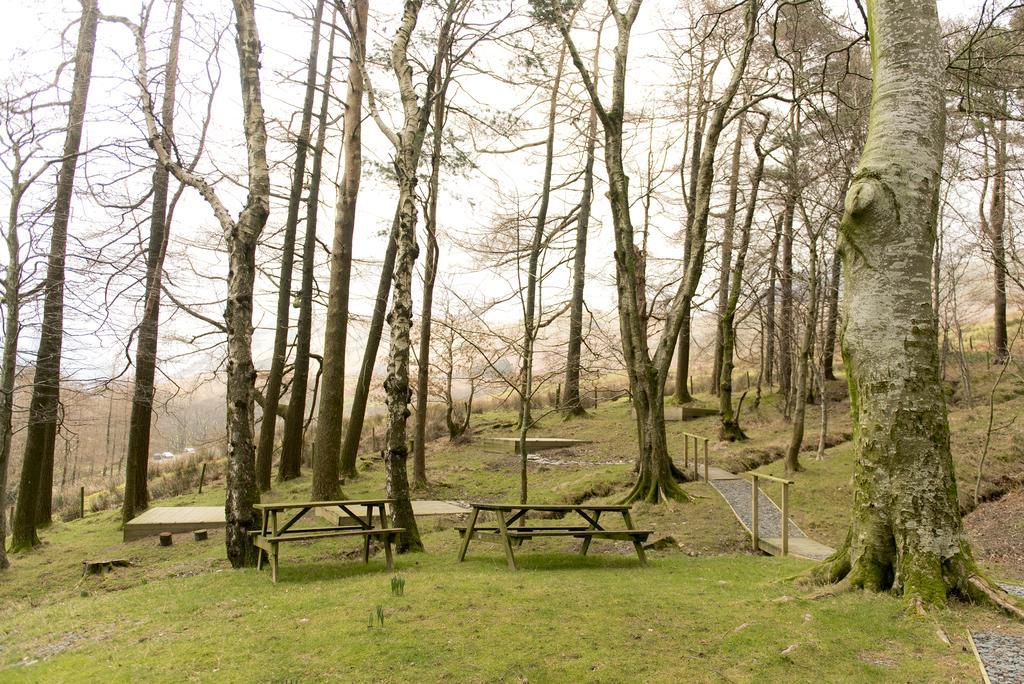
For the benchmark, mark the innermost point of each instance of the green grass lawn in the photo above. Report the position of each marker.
(705, 609)
(180, 613)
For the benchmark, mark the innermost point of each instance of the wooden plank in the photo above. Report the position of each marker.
(549, 507)
(299, 536)
(285, 505)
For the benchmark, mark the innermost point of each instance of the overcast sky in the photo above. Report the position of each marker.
(30, 42)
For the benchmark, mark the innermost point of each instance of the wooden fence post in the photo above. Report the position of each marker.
(81, 500)
(706, 460)
(785, 519)
(686, 451)
(753, 515)
(202, 476)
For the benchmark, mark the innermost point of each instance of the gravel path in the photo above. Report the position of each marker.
(738, 494)
(1013, 589)
(1002, 656)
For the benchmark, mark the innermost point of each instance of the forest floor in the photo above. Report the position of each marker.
(705, 609)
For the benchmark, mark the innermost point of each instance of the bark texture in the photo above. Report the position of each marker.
(136, 491)
(294, 424)
(36, 484)
(330, 417)
(906, 533)
(288, 467)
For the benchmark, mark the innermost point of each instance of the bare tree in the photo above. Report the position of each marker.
(36, 487)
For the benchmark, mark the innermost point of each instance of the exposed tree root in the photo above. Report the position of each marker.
(996, 596)
(924, 582)
(650, 488)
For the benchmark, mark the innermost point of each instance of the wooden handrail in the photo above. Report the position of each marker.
(754, 536)
(687, 436)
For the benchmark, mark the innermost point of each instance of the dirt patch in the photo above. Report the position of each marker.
(996, 530)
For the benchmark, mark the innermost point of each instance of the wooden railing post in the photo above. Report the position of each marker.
(706, 460)
(753, 514)
(81, 499)
(785, 518)
(202, 476)
(686, 451)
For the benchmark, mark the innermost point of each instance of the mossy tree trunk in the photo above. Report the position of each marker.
(725, 262)
(906, 533)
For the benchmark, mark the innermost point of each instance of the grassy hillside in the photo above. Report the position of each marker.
(706, 609)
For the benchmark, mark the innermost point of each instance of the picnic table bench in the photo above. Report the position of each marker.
(272, 534)
(506, 535)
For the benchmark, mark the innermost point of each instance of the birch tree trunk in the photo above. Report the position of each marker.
(288, 468)
(35, 488)
(294, 424)
(242, 491)
(136, 492)
(331, 413)
(906, 533)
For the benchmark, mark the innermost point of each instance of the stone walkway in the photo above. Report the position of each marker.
(1001, 656)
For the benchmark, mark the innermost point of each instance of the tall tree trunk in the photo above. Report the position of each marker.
(730, 428)
(331, 411)
(294, 424)
(728, 228)
(906, 533)
(785, 271)
(361, 392)
(242, 490)
(136, 492)
(655, 480)
(35, 490)
(997, 222)
(832, 318)
(12, 329)
(682, 390)
(530, 319)
(804, 359)
(288, 469)
(773, 277)
(571, 397)
(419, 461)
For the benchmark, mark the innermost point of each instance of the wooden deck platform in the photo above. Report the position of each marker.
(176, 519)
(681, 413)
(534, 444)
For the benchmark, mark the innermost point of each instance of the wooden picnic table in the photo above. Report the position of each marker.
(271, 534)
(508, 514)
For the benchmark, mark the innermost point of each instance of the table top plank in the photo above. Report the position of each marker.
(285, 505)
(549, 507)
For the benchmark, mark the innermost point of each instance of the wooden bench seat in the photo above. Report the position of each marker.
(626, 535)
(303, 534)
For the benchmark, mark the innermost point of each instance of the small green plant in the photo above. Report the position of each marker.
(398, 586)
(376, 616)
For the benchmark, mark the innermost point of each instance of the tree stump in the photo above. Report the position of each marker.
(200, 535)
(97, 567)
(166, 539)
